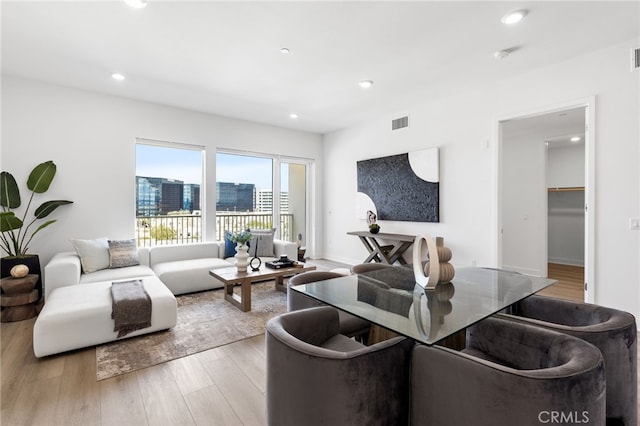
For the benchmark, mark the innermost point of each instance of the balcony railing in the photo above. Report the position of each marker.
(166, 230)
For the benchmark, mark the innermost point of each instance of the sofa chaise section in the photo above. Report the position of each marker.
(79, 316)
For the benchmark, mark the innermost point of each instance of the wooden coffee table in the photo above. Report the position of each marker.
(230, 277)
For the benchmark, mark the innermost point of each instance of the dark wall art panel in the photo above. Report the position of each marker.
(400, 192)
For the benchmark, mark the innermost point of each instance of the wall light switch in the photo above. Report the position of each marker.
(634, 223)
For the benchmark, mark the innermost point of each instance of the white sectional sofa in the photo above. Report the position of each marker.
(77, 308)
(182, 268)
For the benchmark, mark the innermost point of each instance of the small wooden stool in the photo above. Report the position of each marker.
(19, 297)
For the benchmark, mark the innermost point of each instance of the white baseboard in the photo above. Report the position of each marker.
(564, 261)
(523, 270)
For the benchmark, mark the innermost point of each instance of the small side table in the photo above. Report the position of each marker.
(19, 298)
(301, 251)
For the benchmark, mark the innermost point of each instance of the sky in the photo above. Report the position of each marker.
(186, 165)
(170, 163)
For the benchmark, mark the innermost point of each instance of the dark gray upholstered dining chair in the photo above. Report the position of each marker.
(508, 374)
(316, 376)
(363, 268)
(612, 331)
(350, 325)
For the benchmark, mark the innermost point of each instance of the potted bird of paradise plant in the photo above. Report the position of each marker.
(16, 233)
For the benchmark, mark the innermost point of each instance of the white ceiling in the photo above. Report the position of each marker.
(556, 128)
(224, 57)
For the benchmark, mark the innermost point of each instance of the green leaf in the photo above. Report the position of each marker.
(9, 222)
(41, 177)
(9, 191)
(47, 207)
(44, 225)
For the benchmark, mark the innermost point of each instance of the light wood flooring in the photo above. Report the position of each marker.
(570, 285)
(221, 386)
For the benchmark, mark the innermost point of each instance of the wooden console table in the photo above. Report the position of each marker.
(389, 253)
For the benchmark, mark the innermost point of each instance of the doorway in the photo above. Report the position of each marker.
(544, 189)
(565, 211)
(263, 191)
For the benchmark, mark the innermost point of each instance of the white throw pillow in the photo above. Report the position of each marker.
(123, 253)
(94, 254)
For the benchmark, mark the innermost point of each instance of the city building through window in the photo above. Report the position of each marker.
(258, 191)
(252, 191)
(168, 188)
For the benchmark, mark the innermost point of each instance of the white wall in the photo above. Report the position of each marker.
(565, 166)
(524, 211)
(91, 138)
(462, 127)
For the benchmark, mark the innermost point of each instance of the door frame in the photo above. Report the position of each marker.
(277, 159)
(589, 103)
(309, 233)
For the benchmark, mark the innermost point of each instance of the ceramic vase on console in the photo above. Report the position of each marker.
(242, 257)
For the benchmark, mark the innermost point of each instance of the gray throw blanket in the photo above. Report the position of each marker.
(131, 308)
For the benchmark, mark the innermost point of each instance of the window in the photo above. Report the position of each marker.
(258, 191)
(168, 193)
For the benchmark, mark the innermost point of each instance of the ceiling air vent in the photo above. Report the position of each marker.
(399, 123)
(635, 59)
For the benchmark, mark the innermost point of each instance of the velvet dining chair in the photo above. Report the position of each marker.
(508, 374)
(363, 268)
(612, 331)
(350, 325)
(317, 376)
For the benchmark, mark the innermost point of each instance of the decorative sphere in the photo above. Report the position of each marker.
(444, 254)
(19, 271)
(447, 272)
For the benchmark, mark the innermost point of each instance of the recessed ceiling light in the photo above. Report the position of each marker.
(284, 50)
(136, 4)
(514, 17)
(117, 76)
(293, 115)
(365, 84)
(575, 139)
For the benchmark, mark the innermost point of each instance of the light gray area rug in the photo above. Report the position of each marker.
(205, 321)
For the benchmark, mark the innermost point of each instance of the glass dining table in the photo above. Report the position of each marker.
(390, 298)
